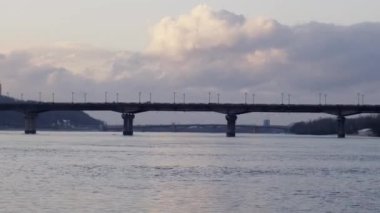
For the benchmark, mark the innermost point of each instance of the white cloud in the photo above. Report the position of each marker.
(207, 50)
(204, 29)
(261, 58)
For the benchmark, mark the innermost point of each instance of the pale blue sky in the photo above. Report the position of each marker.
(124, 24)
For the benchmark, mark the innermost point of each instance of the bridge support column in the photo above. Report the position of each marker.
(30, 123)
(128, 123)
(231, 125)
(341, 126)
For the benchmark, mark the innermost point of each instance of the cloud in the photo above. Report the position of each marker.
(204, 29)
(207, 50)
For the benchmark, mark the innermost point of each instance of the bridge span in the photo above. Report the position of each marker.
(231, 111)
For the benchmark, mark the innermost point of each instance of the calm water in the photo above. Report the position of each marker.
(105, 172)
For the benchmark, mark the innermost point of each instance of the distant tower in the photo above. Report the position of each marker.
(267, 123)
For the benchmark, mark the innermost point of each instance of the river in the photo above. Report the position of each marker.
(178, 172)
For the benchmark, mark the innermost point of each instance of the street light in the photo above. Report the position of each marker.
(150, 97)
(362, 99)
(358, 98)
(245, 98)
(218, 97)
(39, 96)
(174, 93)
(22, 96)
(253, 98)
(289, 99)
(209, 97)
(85, 97)
(325, 99)
(184, 98)
(117, 97)
(282, 98)
(320, 98)
(72, 97)
(52, 97)
(139, 97)
(105, 97)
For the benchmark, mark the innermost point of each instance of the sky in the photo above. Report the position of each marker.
(125, 24)
(301, 48)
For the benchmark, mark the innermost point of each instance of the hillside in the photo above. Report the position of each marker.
(65, 120)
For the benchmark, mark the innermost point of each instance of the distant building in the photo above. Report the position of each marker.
(266, 123)
(366, 132)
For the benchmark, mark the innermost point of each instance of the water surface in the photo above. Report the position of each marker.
(167, 172)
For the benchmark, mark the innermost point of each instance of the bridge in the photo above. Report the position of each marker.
(231, 111)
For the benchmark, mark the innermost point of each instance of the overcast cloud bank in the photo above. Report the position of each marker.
(206, 50)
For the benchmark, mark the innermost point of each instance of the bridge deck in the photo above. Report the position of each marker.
(31, 110)
(191, 107)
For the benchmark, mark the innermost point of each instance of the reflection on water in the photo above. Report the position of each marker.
(165, 172)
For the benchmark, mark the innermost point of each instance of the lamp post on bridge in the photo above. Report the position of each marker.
(325, 99)
(174, 94)
(139, 97)
(184, 98)
(209, 97)
(289, 99)
(282, 98)
(218, 97)
(362, 99)
(358, 98)
(72, 97)
(245, 97)
(52, 97)
(117, 97)
(253, 98)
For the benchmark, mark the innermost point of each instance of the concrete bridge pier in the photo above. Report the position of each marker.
(231, 125)
(128, 123)
(341, 120)
(30, 123)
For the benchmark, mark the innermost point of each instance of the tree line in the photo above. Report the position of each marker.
(327, 126)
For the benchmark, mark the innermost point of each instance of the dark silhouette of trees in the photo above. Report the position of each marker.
(326, 126)
(49, 120)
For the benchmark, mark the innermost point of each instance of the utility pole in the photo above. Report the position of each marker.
(362, 99)
(282, 98)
